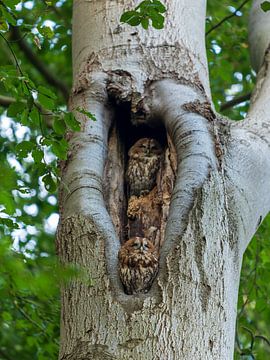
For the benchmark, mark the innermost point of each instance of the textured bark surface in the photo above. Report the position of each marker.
(194, 301)
(113, 184)
(220, 195)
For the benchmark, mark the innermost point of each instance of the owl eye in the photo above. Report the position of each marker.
(136, 245)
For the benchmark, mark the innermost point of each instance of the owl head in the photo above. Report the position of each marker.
(146, 147)
(139, 245)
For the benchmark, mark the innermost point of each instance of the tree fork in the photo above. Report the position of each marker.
(219, 195)
(83, 239)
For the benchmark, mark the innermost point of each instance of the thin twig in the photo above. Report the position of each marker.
(235, 101)
(13, 54)
(263, 338)
(51, 78)
(226, 18)
(27, 317)
(5, 101)
(251, 335)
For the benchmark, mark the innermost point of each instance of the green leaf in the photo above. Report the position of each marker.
(71, 122)
(49, 183)
(46, 101)
(265, 6)
(145, 23)
(23, 87)
(45, 91)
(6, 316)
(8, 16)
(35, 115)
(38, 155)
(44, 141)
(9, 223)
(3, 25)
(60, 148)
(41, 169)
(87, 113)
(15, 108)
(24, 148)
(25, 117)
(46, 31)
(158, 21)
(128, 15)
(143, 5)
(131, 17)
(11, 3)
(7, 200)
(148, 9)
(159, 6)
(59, 125)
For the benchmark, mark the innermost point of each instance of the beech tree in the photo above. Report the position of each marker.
(150, 82)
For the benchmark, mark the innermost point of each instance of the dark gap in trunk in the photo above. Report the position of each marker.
(145, 214)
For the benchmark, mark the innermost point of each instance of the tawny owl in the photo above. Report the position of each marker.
(143, 165)
(138, 265)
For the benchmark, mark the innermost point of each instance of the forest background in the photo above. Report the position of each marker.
(35, 80)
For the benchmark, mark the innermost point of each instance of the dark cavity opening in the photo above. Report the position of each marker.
(124, 133)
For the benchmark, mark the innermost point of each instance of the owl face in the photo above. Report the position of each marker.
(145, 147)
(139, 245)
(138, 265)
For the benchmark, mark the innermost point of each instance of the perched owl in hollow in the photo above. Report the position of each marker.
(138, 265)
(143, 165)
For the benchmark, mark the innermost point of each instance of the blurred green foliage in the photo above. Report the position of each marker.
(31, 140)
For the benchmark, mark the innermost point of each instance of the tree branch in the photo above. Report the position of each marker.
(39, 65)
(226, 18)
(5, 101)
(235, 101)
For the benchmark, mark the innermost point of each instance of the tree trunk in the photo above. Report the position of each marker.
(137, 83)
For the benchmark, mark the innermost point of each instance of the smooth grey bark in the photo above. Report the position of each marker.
(220, 196)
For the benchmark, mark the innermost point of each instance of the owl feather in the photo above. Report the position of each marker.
(143, 165)
(138, 265)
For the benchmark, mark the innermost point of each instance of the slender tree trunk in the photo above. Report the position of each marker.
(157, 80)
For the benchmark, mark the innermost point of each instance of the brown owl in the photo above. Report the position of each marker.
(138, 265)
(143, 165)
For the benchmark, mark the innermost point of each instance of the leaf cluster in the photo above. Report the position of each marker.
(265, 6)
(147, 10)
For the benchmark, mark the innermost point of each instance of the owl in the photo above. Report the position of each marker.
(143, 165)
(138, 265)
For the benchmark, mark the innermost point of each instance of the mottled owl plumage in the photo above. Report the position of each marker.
(138, 265)
(143, 165)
